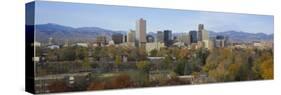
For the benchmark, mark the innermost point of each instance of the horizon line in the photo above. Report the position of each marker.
(147, 31)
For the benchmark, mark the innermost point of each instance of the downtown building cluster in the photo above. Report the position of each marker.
(139, 38)
(164, 38)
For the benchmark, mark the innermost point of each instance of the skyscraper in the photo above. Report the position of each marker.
(131, 36)
(141, 32)
(125, 38)
(160, 36)
(117, 38)
(200, 26)
(221, 41)
(200, 32)
(205, 35)
(205, 38)
(185, 38)
(168, 38)
(167, 35)
(193, 36)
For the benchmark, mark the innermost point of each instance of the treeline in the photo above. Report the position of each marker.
(228, 64)
(219, 64)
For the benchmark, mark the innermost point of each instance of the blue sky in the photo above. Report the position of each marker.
(124, 18)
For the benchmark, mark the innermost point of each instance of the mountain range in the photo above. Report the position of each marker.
(60, 32)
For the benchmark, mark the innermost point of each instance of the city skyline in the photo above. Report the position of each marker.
(123, 18)
(88, 47)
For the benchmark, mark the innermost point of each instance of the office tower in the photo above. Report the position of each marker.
(212, 42)
(131, 36)
(205, 35)
(205, 38)
(168, 38)
(167, 35)
(200, 32)
(221, 41)
(185, 38)
(117, 38)
(160, 36)
(141, 32)
(125, 38)
(200, 27)
(193, 36)
(150, 38)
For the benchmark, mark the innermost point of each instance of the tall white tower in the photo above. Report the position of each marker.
(141, 32)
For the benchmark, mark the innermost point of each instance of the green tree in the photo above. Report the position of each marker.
(185, 67)
(153, 53)
(168, 61)
(144, 67)
(81, 52)
(118, 61)
(86, 64)
(67, 54)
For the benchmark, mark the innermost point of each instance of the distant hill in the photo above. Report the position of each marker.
(60, 32)
(240, 36)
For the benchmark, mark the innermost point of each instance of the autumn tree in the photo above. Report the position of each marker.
(58, 86)
(121, 81)
(267, 69)
(263, 67)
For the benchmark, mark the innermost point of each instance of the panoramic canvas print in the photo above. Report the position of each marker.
(89, 47)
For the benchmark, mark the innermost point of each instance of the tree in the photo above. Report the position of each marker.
(67, 54)
(112, 51)
(266, 66)
(263, 66)
(81, 52)
(232, 72)
(184, 67)
(168, 62)
(144, 66)
(97, 86)
(180, 68)
(267, 69)
(183, 54)
(52, 55)
(121, 81)
(153, 53)
(58, 86)
(86, 64)
(95, 53)
(118, 61)
(142, 55)
(132, 54)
